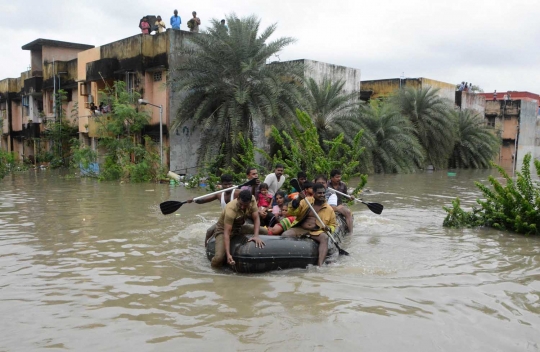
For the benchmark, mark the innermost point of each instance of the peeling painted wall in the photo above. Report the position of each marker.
(185, 140)
(385, 87)
(471, 101)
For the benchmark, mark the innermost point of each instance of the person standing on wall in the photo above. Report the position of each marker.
(194, 23)
(145, 26)
(176, 21)
(160, 24)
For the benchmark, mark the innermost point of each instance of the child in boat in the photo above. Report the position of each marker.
(284, 223)
(264, 202)
(265, 198)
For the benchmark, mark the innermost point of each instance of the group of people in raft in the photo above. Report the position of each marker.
(278, 213)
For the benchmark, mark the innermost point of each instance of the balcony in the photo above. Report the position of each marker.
(33, 85)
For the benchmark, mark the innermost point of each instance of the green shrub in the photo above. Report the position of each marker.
(514, 206)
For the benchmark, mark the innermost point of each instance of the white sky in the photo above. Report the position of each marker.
(492, 43)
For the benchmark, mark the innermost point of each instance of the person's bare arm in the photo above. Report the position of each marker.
(256, 226)
(227, 242)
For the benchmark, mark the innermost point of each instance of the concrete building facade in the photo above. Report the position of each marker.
(144, 63)
(517, 122)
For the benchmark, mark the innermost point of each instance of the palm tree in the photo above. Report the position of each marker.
(391, 145)
(229, 88)
(432, 120)
(476, 144)
(331, 109)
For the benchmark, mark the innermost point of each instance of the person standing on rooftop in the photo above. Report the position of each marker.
(176, 21)
(160, 25)
(195, 23)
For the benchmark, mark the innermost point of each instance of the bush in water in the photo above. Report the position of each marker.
(514, 207)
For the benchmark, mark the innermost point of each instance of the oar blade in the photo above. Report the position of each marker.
(341, 251)
(170, 206)
(375, 207)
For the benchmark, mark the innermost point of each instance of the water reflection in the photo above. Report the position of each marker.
(81, 260)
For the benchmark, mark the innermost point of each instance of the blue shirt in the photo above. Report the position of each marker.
(175, 22)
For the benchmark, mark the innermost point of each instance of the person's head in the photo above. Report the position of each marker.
(223, 22)
(319, 192)
(285, 209)
(176, 12)
(252, 173)
(145, 19)
(335, 175)
(194, 13)
(280, 197)
(158, 18)
(278, 170)
(263, 189)
(308, 188)
(302, 177)
(321, 179)
(244, 199)
(226, 181)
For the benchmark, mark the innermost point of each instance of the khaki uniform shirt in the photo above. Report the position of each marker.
(233, 215)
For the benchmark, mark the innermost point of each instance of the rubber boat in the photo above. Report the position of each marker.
(279, 252)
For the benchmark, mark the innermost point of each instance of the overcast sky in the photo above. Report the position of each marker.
(494, 44)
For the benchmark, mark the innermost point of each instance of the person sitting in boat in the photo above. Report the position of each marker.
(252, 173)
(232, 223)
(280, 200)
(285, 222)
(335, 183)
(306, 222)
(224, 198)
(301, 177)
(331, 197)
(264, 203)
(275, 180)
(307, 190)
(264, 200)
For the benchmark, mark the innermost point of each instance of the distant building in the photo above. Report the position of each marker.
(383, 87)
(516, 122)
(143, 62)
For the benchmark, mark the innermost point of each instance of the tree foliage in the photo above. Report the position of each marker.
(331, 109)
(389, 138)
(59, 132)
(433, 122)
(302, 151)
(229, 88)
(476, 144)
(514, 206)
(128, 154)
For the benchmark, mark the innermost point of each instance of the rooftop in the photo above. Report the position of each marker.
(38, 43)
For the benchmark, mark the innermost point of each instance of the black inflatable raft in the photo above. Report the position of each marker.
(279, 252)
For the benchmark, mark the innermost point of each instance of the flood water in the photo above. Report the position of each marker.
(89, 266)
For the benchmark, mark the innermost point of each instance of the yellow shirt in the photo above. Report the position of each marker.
(161, 26)
(326, 213)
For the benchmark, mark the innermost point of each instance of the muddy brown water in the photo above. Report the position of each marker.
(89, 266)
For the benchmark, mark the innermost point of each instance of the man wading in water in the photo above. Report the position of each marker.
(306, 222)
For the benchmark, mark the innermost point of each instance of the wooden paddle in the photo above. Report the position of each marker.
(374, 207)
(294, 182)
(171, 206)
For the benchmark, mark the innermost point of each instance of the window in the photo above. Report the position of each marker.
(491, 121)
(25, 100)
(157, 76)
